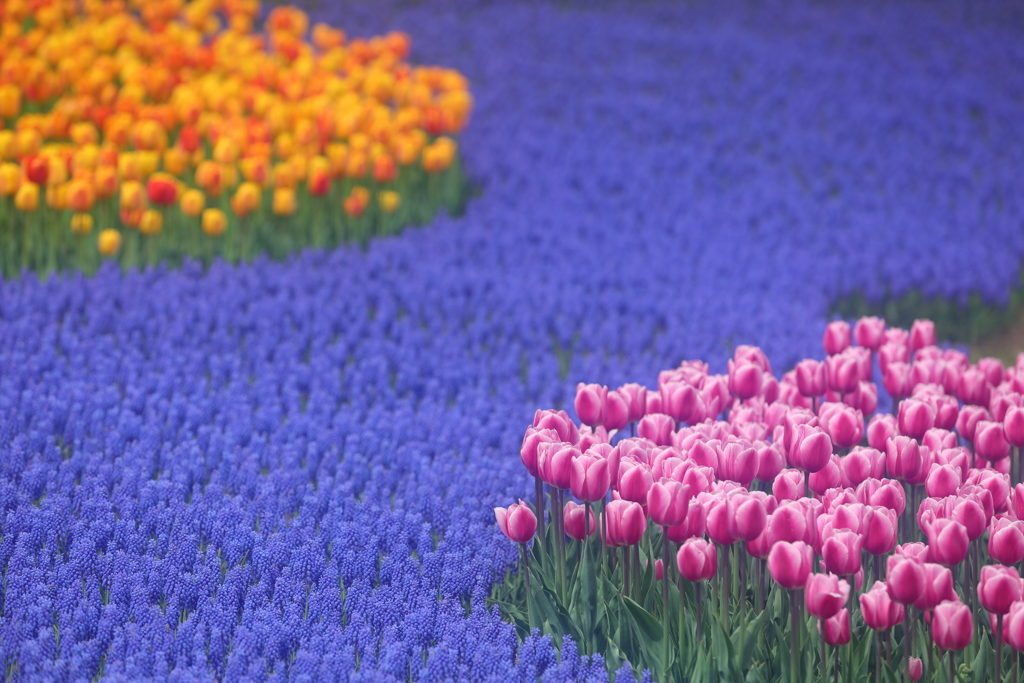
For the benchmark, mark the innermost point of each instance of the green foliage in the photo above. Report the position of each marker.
(953, 321)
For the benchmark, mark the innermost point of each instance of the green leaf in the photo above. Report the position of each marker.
(724, 652)
(750, 631)
(980, 664)
(649, 626)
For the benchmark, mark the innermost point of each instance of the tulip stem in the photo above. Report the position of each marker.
(664, 594)
(539, 496)
(625, 571)
(637, 575)
(726, 570)
(999, 646)
(878, 656)
(793, 648)
(696, 606)
(760, 585)
(526, 575)
(835, 664)
(824, 655)
(952, 667)
(742, 560)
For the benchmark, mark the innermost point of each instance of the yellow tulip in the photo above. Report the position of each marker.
(133, 196)
(109, 242)
(214, 222)
(7, 145)
(81, 223)
(151, 223)
(389, 201)
(192, 202)
(175, 160)
(27, 197)
(10, 178)
(284, 201)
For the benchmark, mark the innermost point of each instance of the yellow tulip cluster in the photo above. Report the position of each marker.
(179, 127)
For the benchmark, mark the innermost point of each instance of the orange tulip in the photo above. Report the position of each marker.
(109, 242)
(106, 181)
(355, 203)
(319, 183)
(356, 164)
(284, 176)
(257, 170)
(246, 199)
(214, 222)
(57, 196)
(129, 166)
(131, 217)
(132, 196)
(384, 170)
(27, 197)
(284, 202)
(337, 156)
(192, 202)
(81, 223)
(10, 101)
(151, 222)
(81, 195)
(208, 177)
(26, 142)
(175, 160)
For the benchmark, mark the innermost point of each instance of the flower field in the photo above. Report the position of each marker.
(287, 469)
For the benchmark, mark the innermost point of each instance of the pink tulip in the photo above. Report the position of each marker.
(574, 520)
(790, 564)
(1013, 426)
(554, 460)
(770, 461)
(890, 353)
(947, 542)
(885, 492)
(837, 629)
(760, 546)
(1006, 541)
(653, 403)
(699, 479)
(668, 502)
(825, 595)
(842, 372)
(837, 337)
(915, 418)
(790, 522)
(657, 427)
(922, 334)
(1013, 627)
(812, 448)
(694, 525)
(904, 578)
(634, 482)
(879, 611)
(789, 485)
(947, 410)
(974, 388)
(992, 368)
(626, 522)
(999, 588)
(678, 401)
(589, 437)
(844, 425)
(914, 669)
(1015, 501)
(939, 439)
(971, 513)
(697, 560)
(902, 457)
(517, 521)
(589, 478)
(860, 464)
(528, 451)
(737, 462)
(810, 378)
(880, 429)
(828, 477)
(744, 379)
(897, 380)
(591, 403)
(990, 442)
(864, 398)
(880, 531)
(837, 497)
(841, 552)
(869, 332)
(943, 480)
(558, 421)
(746, 517)
(1005, 397)
(938, 587)
(616, 413)
(717, 522)
(752, 354)
(996, 483)
(659, 570)
(952, 625)
(790, 423)
(635, 396)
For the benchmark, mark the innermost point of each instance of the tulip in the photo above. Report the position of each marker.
(998, 588)
(694, 525)
(897, 380)
(517, 521)
(667, 502)
(678, 401)
(789, 485)
(842, 373)
(790, 522)
(864, 398)
(559, 421)
(554, 463)
(939, 439)
(938, 587)
(828, 477)
(914, 669)
(745, 379)
(837, 629)
(845, 426)
(575, 521)
(1013, 627)
(697, 560)
(531, 441)
(810, 378)
(1015, 501)
(869, 332)
(635, 396)
(26, 199)
(922, 334)
(905, 578)
(902, 457)
(812, 448)
(626, 522)
(952, 625)
(790, 564)
(737, 462)
(747, 517)
(997, 484)
(947, 542)
(885, 492)
(214, 222)
(974, 388)
(717, 522)
(1006, 541)
(990, 441)
(880, 428)
(589, 477)
(860, 464)
(837, 337)
(880, 531)
(942, 481)
(879, 611)
(109, 242)
(841, 552)
(657, 427)
(770, 462)
(825, 595)
(1013, 426)
(81, 223)
(915, 418)
(591, 403)
(969, 512)
(161, 189)
(889, 353)
(634, 482)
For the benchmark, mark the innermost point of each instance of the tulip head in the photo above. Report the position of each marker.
(825, 595)
(952, 625)
(999, 588)
(697, 560)
(517, 521)
(790, 564)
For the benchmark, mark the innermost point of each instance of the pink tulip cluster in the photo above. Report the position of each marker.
(797, 469)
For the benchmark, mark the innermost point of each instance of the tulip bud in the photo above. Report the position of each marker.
(746, 517)
(841, 552)
(842, 373)
(947, 542)
(922, 334)
(860, 464)
(635, 396)
(574, 521)
(634, 482)
(999, 588)
(828, 477)
(914, 669)
(810, 378)
(952, 625)
(938, 587)
(1006, 541)
(517, 521)
(837, 629)
(790, 522)
(697, 560)
(789, 485)
(559, 421)
(1013, 426)
(879, 611)
(845, 426)
(897, 380)
(657, 427)
(890, 353)
(589, 477)
(554, 463)
(880, 531)
(1013, 627)
(626, 522)
(591, 403)
(668, 502)
(109, 242)
(812, 449)
(825, 595)
(905, 578)
(837, 337)
(990, 441)
(790, 564)
(974, 388)
(870, 332)
(902, 457)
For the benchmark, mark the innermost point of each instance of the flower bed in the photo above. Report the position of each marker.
(158, 134)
